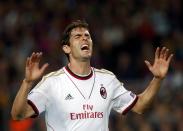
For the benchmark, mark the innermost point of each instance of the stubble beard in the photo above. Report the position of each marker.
(86, 58)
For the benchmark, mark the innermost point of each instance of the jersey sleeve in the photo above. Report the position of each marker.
(123, 100)
(38, 98)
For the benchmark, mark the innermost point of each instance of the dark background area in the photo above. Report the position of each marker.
(124, 32)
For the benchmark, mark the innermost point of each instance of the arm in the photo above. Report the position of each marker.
(21, 109)
(159, 69)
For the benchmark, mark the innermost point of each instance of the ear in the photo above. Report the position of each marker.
(66, 49)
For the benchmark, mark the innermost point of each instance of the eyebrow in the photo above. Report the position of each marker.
(79, 34)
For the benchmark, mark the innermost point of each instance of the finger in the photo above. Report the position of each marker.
(27, 61)
(44, 67)
(166, 54)
(39, 56)
(148, 64)
(32, 57)
(157, 53)
(162, 52)
(169, 58)
(36, 58)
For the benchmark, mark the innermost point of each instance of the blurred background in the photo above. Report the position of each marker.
(124, 32)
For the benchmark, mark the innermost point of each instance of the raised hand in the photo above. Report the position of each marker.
(32, 70)
(161, 63)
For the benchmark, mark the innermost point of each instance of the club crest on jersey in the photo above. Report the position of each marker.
(103, 92)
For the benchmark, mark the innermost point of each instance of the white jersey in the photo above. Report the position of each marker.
(75, 103)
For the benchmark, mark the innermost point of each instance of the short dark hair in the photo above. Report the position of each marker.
(66, 34)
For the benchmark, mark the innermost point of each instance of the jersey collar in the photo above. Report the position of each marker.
(77, 76)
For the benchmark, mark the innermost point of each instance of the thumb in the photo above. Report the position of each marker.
(44, 67)
(148, 64)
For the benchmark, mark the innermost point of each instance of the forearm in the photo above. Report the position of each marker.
(147, 96)
(20, 105)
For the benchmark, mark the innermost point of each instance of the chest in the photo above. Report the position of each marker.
(82, 97)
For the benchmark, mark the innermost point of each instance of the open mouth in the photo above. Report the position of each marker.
(85, 47)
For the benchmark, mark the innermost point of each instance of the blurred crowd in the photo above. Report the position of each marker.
(124, 32)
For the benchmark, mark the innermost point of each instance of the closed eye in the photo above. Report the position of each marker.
(80, 35)
(77, 36)
(87, 35)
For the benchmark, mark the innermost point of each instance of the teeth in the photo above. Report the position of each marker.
(84, 47)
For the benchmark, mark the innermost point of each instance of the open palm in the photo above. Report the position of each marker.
(32, 70)
(161, 63)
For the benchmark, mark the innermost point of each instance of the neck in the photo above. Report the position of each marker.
(80, 68)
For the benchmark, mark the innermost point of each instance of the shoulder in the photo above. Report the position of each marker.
(108, 74)
(103, 71)
(50, 77)
(53, 75)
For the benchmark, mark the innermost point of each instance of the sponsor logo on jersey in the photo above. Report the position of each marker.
(103, 92)
(86, 115)
(69, 97)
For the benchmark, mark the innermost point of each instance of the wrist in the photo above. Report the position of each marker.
(28, 81)
(158, 78)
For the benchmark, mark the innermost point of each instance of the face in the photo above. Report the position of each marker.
(80, 47)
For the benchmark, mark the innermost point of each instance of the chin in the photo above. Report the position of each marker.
(86, 58)
(87, 55)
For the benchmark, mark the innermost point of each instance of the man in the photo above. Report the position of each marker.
(79, 97)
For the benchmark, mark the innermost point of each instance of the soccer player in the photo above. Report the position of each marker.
(79, 97)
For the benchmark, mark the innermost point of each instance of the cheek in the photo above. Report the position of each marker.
(91, 44)
(90, 41)
(75, 48)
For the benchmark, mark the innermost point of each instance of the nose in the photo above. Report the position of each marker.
(84, 37)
